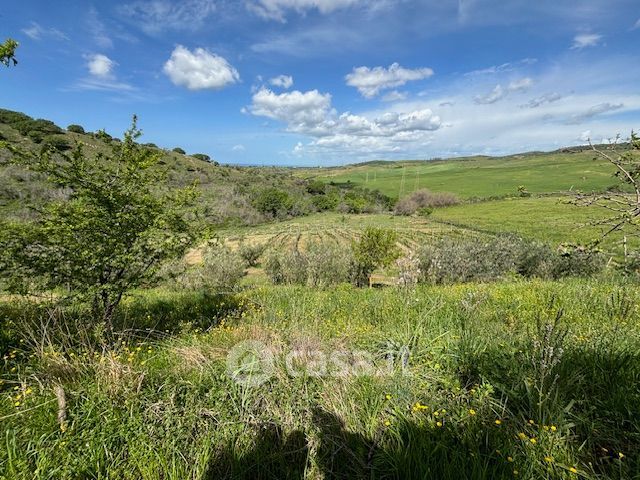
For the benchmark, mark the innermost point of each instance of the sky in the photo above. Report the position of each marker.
(329, 82)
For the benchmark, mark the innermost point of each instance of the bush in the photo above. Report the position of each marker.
(221, 270)
(425, 199)
(179, 150)
(321, 265)
(57, 143)
(316, 187)
(274, 202)
(289, 269)
(75, 128)
(375, 248)
(251, 253)
(202, 156)
(325, 202)
(473, 260)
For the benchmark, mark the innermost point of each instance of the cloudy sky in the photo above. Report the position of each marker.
(323, 82)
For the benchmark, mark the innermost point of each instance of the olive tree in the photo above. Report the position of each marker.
(108, 237)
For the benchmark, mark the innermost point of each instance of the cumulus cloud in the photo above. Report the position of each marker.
(238, 148)
(199, 70)
(499, 92)
(100, 65)
(370, 81)
(593, 111)
(311, 113)
(156, 16)
(282, 81)
(585, 40)
(299, 110)
(276, 9)
(36, 32)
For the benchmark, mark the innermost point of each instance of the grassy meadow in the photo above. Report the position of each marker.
(478, 176)
(525, 379)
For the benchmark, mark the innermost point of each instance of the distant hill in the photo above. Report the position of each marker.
(228, 193)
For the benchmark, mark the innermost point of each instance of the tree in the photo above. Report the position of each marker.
(75, 128)
(179, 150)
(623, 203)
(376, 248)
(202, 156)
(273, 201)
(111, 234)
(8, 52)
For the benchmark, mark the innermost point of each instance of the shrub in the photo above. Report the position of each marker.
(474, 260)
(273, 201)
(202, 156)
(75, 128)
(375, 248)
(57, 143)
(316, 187)
(251, 253)
(406, 206)
(322, 264)
(327, 264)
(179, 150)
(221, 270)
(289, 269)
(326, 202)
(425, 199)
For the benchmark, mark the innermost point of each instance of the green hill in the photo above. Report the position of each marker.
(483, 177)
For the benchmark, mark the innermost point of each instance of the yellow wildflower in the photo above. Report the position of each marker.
(509, 459)
(548, 459)
(573, 470)
(498, 422)
(472, 412)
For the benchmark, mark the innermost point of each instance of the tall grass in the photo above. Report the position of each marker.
(526, 379)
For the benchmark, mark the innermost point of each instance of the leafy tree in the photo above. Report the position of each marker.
(56, 142)
(109, 237)
(202, 156)
(179, 150)
(376, 248)
(8, 52)
(316, 187)
(273, 201)
(75, 128)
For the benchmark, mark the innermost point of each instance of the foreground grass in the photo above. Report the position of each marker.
(493, 388)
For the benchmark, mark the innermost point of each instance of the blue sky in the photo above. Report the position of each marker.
(324, 82)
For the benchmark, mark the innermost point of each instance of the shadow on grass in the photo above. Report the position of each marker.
(408, 451)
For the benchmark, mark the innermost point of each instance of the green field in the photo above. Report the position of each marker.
(478, 177)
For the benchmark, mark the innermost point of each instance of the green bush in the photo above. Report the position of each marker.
(75, 128)
(221, 270)
(424, 199)
(375, 248)
(288, 269)
(202, 156)
(251, 253)
(56, 142)
(274, 202)
(476, 260)
(179, 150)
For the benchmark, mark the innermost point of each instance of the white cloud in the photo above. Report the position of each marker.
(98, 29)
(156, 16)
(585, 40)
(36, 32)
(100, 65)
(394, 96)
(585, 136)
(370, 81)
(310, 113)
(199, 69)
(299, 110)
(238, 148)
(499, 92)
(276, 9)
(505, 67)
(282, 81)
(598, 109)
(542, 99)
(637, 24)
